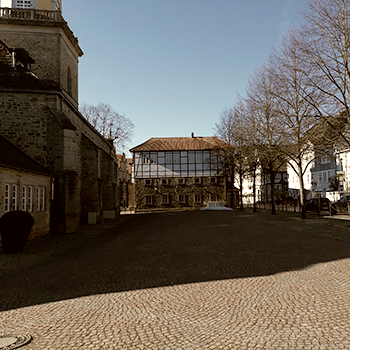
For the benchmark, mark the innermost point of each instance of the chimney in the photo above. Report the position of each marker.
(192, 135)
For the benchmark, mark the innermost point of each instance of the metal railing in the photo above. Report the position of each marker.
(30, 14)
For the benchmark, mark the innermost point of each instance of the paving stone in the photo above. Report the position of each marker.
(194, 280)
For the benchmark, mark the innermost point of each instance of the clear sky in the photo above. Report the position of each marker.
(171, 66)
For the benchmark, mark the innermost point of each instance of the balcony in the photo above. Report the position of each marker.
(30, 15)
(40, 18)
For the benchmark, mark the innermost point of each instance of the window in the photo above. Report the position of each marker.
(181, 198)
(213, 198)
(181, 181)
(197, 198)
(213, 180)
(23, 4)
(38, 198)
(176, 158)
(154, 157)
(7, 197)
(191, 157)
(325, 158)
(325, 176)
(146, 159)
(165, 182)
(199, 157)
(15, 197)
(29, 198)
(24, 198)
(42, 198)
(165, 199)
(206, 157)
(148, 182)
(169, 158)
(197, 180)
(148, 200)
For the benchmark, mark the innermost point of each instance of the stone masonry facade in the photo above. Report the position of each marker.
(42, 119)
(186, 196)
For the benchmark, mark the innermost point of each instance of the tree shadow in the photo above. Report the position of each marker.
(156, 250)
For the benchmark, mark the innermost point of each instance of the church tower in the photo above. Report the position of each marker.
(38, 27)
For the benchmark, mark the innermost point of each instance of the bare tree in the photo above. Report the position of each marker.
(110, 124)
(293, 93)
(225, 130)
(325, 42)
(269, 130)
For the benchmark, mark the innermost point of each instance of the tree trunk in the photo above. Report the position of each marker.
(241, 194)
(254, 191)
(302, 195)
(273, 209)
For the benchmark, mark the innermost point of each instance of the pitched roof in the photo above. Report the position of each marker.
(179, 144)
(13, 158)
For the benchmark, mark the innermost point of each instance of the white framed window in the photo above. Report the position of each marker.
(14, 197)
(148, 200)
(197, 180)
(213, 198)
(197, 198)
(29, 198)
(148, 182)
(24, 198)
(181, 181)
(165, 199)
(213, 180)
(42, 198)
(38, 198)
(7, 197)
(181, 198)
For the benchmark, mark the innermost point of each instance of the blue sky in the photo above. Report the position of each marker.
(172, 66)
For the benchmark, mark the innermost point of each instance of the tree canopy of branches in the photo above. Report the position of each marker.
(300, 99)
(326, 45)
(110, 124)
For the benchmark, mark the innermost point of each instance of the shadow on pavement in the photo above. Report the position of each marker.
(155, 250)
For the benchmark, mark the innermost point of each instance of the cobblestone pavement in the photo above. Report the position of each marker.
(187, 280)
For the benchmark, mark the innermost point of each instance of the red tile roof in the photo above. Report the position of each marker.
(179, 144)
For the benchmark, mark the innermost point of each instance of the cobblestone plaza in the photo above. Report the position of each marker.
(187, 280)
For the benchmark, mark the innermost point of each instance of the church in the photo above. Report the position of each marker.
(39, 115)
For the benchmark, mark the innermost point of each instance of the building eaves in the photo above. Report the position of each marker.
(179, 144)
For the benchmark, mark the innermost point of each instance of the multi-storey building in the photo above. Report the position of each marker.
(179, 172)
(39, 113)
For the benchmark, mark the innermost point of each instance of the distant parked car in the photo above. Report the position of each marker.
(342, 204)
(313, 204)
